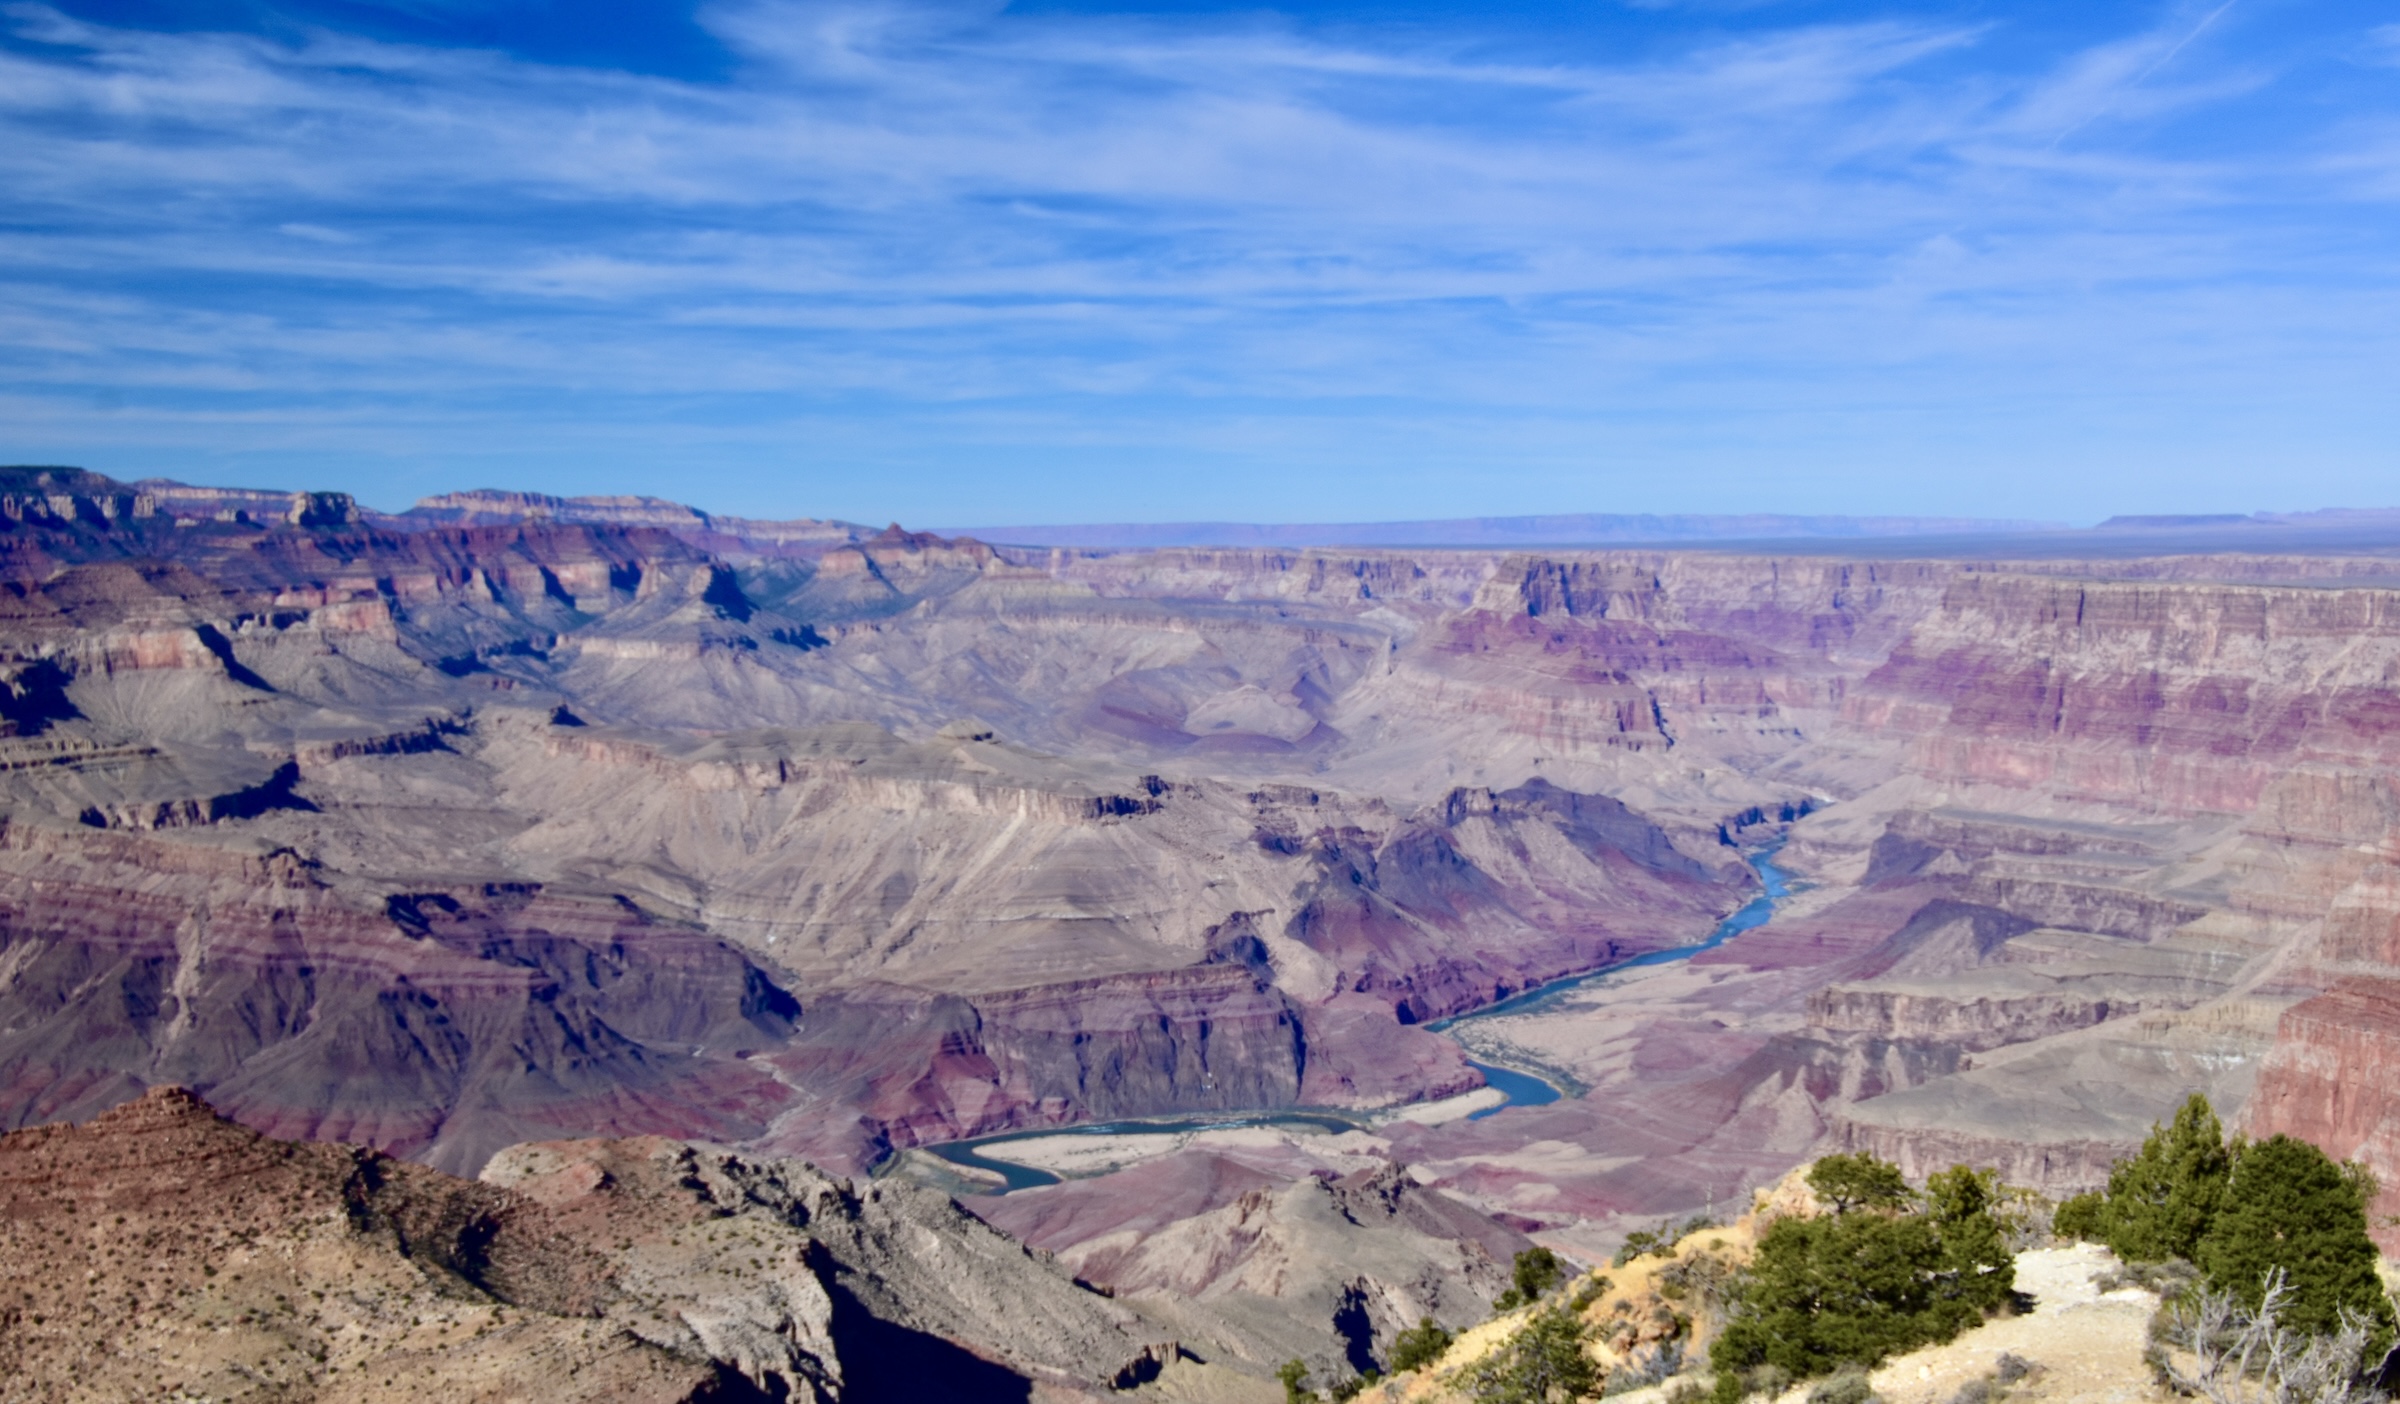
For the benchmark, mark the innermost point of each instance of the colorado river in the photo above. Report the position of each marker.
(1759, 911)
(1520, 1087)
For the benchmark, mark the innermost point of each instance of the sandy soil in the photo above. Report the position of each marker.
(1450, 1109)
(1079, 1153)
(2088, 1342)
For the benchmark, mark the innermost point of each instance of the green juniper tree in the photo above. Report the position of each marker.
(2288, 1205)
(2083, 1216)
(1980, 1274)
(1537, 1271)
(1419, 1346)
(1545, 1363)
(2162, 1199)
(2240, 1212)
(1293, 1375)
(1870, 1280)
(1847, 1182)
(1826, 1291)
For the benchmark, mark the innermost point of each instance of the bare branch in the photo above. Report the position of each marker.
(2242, 1355)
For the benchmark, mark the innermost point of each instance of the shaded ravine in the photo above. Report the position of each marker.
(1522, 1087)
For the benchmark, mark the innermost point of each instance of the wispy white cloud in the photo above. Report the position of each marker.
(890, 205)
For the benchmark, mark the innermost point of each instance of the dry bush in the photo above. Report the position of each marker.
(2211, 1346)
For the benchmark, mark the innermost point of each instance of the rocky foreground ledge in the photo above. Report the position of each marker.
(161, 1251)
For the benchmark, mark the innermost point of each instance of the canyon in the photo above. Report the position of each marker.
(516, 821)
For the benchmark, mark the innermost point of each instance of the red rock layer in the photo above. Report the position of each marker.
(443, 1029)
(2327, 1081)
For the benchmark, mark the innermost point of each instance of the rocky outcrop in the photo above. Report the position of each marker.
(1970, 1022)
(807, 1282)
(2055, 1113)
(2052, 1167)
(1327, 1270)
(163, 1248)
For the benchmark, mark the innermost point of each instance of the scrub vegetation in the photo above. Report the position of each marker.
(1886, 1270)
(2260, 1252)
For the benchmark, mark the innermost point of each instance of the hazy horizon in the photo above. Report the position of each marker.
(1500, 528)
(2375, 529)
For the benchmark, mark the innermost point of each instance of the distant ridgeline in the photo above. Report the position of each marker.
(56, 496)
(1550, 530)
(490, 507)
(2337, 528)
(60, 497)
(63, 498)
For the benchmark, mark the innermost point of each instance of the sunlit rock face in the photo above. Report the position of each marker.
(160, 1247)
(514, 819)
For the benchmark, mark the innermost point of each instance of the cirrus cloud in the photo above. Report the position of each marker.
(904, 247)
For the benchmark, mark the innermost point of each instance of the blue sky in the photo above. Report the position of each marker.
(981, 263)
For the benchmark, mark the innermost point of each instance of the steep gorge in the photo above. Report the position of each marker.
(448, 833)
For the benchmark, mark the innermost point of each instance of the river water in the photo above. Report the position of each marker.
(1522, 1088)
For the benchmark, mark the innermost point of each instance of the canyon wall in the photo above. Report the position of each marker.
(508, 823)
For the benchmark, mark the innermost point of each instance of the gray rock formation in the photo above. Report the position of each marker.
(1324, 1270)
(814, 1285)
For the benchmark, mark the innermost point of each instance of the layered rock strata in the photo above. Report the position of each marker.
(450, 834)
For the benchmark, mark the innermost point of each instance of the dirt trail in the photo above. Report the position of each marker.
(2088, 1342)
